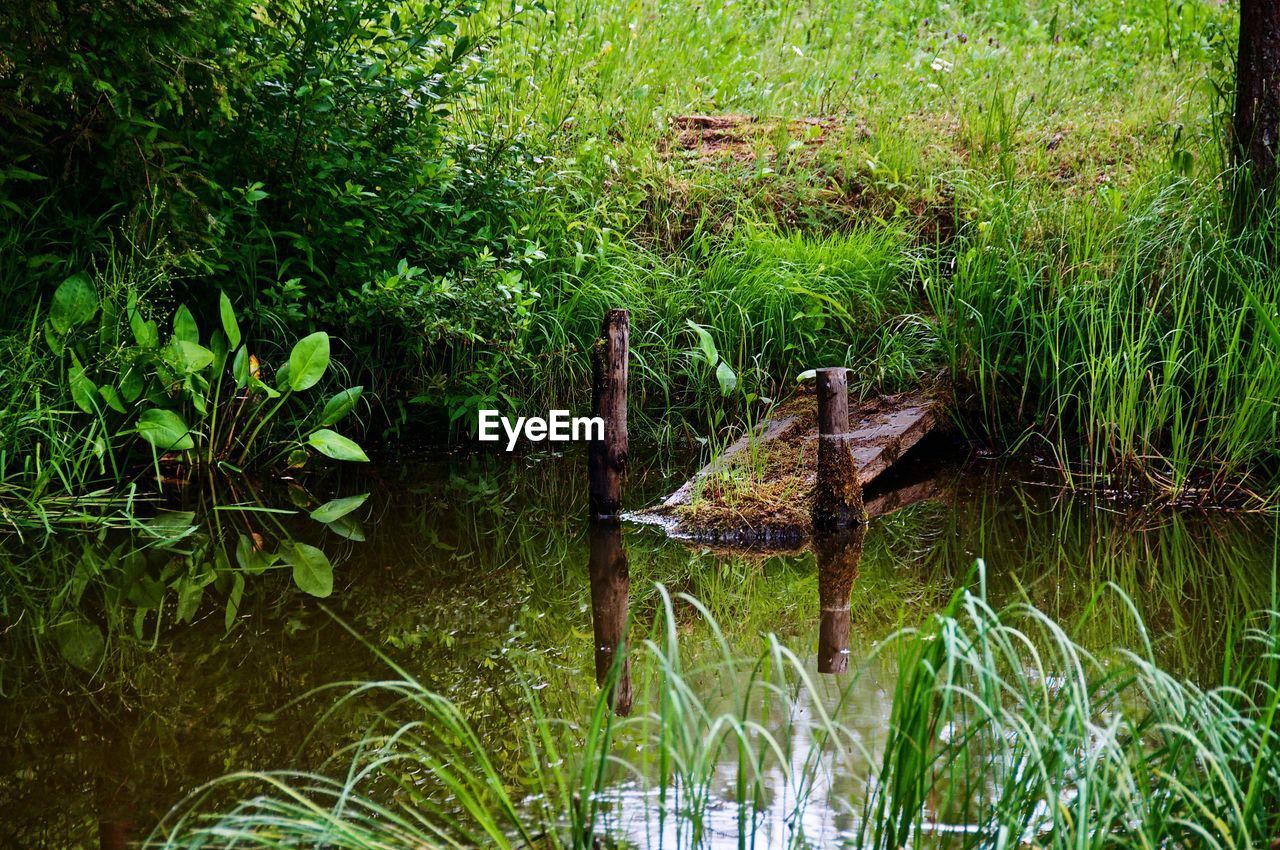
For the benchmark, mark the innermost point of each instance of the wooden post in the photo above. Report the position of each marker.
(607, 458)
(839, 554)
(610, 590)
(837, 501)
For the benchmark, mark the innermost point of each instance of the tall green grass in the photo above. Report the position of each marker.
(1135, 335)
(1002, 730)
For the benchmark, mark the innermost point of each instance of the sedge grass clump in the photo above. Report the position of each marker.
(1135, 337)
(1001, 730)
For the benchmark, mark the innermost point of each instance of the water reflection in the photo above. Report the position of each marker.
(610, 591)
(476, 567)
(838, 555)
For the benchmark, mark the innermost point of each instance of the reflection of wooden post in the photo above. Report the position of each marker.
(610, 586)
(838, 557)
(837, 501)
(607, 458)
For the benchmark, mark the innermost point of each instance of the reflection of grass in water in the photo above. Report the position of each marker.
(459, 580)
(1003, 730)
(1193, 577)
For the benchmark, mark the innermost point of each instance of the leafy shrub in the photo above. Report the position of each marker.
(210, 403)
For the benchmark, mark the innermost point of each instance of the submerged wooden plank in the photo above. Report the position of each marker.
(766, 432)
(760, 489)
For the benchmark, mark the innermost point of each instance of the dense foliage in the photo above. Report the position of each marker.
(455, 191)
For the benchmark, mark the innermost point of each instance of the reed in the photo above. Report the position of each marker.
(1002, 729)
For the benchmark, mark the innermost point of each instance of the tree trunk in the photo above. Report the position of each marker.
(1257, 118)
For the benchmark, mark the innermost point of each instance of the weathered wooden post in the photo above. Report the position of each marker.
(837, 501)
(607, 458)
(610, 590)
(839, 554)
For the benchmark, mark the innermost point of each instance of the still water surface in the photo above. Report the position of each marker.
(477, 573)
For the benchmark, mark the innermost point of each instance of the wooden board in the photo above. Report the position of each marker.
(759, 489)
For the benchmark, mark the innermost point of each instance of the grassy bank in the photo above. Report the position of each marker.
(1023, 199)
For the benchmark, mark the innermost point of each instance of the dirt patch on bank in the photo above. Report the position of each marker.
(743, 138)
(776, 166)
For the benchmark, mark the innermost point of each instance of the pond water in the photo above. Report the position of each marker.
(138, 664)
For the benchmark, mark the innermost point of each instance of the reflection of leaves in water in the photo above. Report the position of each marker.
(338, 508)
(80, 595)
(312, 572)
(81, 643)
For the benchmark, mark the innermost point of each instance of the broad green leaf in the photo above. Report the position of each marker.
(190, 592)
(334, 445)
(347, 527)
(131, 385)
(229, 324)
(184, 325)
(340, 405)
(308, 361)
(252, 559)
(145, 331)
(727, 379)
(282, 378)
(54, 340)
(112, 398)
(806, 375)
(258, 385)
(81, 643)
(186, 357)
(83, 391)
(74, 303)
(312, 572)
(240, 366)
(233, 601)
(705, 343)
(338, 508)
(171, 526)
(218, 345)
(165, 430)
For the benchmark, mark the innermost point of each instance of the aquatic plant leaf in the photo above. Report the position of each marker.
(706, 344)
(53, 340)
(251, 558)
(184, 325)
(230, 326)
(338, 508)
(131, 385)
(282, 377)
(190, 592)
(220, 347)
(83, 390)
(74, 303)
(171, 525)
(112, 397)
(334, 445)
(312, 572)
(348, 528)
(340, 405)
(187, 357)
(240, 366)
(233, 601)
(727, 379)
(81, 643)
(145, 332)
(165, 430)
(308, 361)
